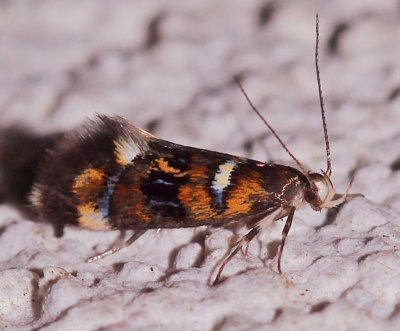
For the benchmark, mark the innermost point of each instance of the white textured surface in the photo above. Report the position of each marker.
(61, 61)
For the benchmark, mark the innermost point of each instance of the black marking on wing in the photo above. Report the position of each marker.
(161, 190)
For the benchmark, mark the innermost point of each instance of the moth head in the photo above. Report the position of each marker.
(321, 193)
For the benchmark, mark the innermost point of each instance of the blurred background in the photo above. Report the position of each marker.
(168, 66)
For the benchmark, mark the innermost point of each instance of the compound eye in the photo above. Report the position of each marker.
(311, 198)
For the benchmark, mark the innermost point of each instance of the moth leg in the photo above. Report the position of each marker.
(234, 249)
(116, 248)
(58, 230)
(245, 248)
(285, 233)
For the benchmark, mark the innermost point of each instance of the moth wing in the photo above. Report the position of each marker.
(129, 140)
(102, 145)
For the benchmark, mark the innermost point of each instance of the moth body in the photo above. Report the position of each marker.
(111, 175)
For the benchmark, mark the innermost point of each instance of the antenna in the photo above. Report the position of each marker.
(269, 126)
(321, 102)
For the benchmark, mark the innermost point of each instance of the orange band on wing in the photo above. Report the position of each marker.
(87, 187)
(241, 198)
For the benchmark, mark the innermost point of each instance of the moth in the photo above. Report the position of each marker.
(111, 175)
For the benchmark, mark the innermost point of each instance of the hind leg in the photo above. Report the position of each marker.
(116, 248)
(240, 244)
